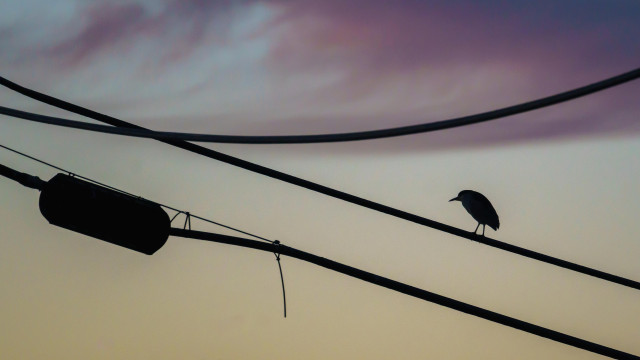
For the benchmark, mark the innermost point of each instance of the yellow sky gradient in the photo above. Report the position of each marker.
(75, 297)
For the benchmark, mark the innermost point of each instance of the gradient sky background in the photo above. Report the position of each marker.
(563, 179)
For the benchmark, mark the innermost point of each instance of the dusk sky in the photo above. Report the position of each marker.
(563, 179)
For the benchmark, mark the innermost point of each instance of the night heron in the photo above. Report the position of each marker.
(480, 208)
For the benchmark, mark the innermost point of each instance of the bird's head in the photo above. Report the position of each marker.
(460, 195)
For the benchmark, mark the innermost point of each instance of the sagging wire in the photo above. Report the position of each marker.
(284, 296)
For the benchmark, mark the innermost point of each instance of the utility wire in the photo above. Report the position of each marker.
(409, 290)
(278, 249)
(324, 189)
(35, 183)
(324, 138)
(27, 180)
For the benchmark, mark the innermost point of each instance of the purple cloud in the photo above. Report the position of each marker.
(365, 38)
(108, 26)
(390, 63)
(379, 35)
(111, 29)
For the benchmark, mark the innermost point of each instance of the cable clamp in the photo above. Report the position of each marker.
(187, 220)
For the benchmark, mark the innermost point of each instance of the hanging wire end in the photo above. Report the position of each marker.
(276, 244)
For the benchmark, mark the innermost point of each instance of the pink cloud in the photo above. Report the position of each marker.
(107, 26)
(112, 29)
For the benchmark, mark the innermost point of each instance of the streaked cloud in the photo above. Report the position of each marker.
(108, 26)
(329, 66)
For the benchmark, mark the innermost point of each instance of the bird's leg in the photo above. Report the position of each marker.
(474, 231)
(483, 226)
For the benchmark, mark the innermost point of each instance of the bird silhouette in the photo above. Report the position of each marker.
(480, 209)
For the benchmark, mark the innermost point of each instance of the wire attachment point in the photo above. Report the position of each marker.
(187, 220)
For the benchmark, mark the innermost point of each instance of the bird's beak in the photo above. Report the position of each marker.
(454, 199)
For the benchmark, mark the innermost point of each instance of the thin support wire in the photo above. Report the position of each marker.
(34, 159)
(232, 228)
(174, 217)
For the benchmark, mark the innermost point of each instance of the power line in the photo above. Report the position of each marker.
(327, 190)
(409, 290)
(278, 249)
(324, 138)
(36, 183)
(27, 180)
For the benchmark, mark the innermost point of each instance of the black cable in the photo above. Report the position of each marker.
(409, 290)
(324, 138)
(37, 183)
(27, 180)
(327, 190)
(278, 249)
